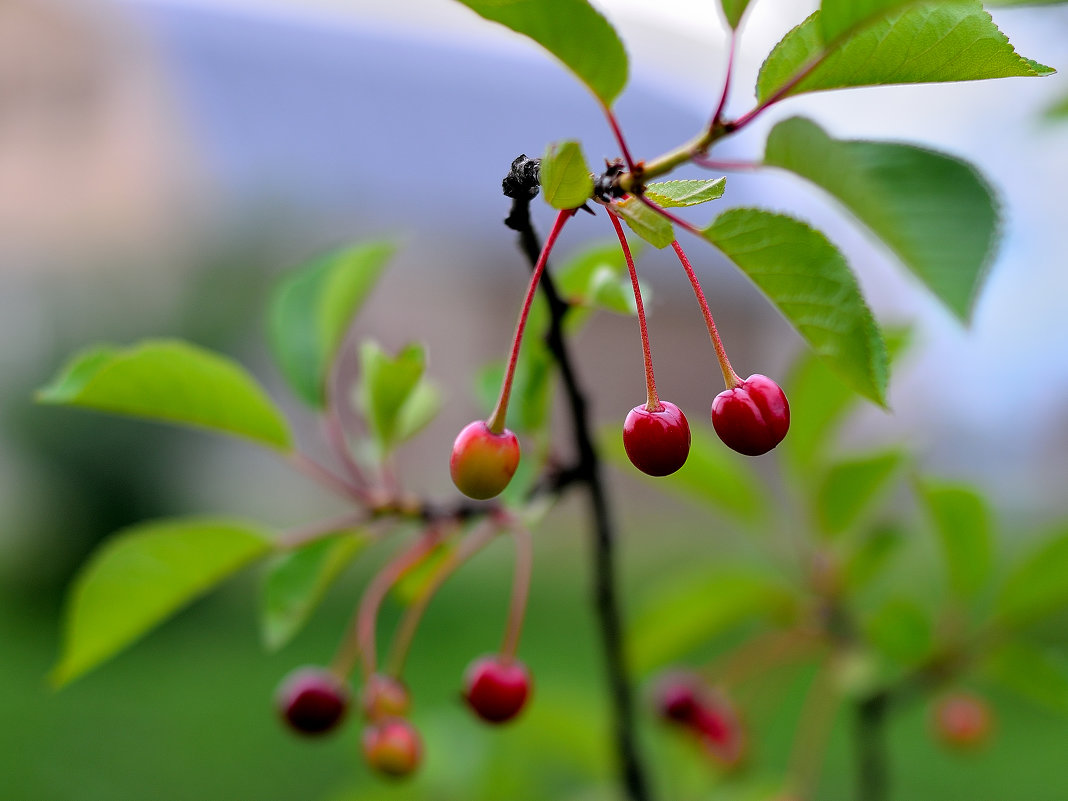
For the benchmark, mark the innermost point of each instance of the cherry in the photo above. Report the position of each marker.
(385, 697)
(482, 462)
(312, 700)
(677, 699)
(392, 747)
(753, 417)
(496, 689)
(962, 720)
(657, 442)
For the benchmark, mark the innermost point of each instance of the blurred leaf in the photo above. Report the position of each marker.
(871, 556)
(901, 630)
(386, 385)
(819, 399)
(850, 488)
(683, 611)
(598, 277)
(712, 475)
(809, 281)
(1014, 3)
(1037, 586)
(312, 308)
(652, 227)
(673, 194)
(174, 382)
(566, 182)
(1039, 675)
(954, 40)
(414, 583)
(1059, 110)
(733, 10)
(421, 407)
(935, 212)
(296, 583)
(573, 31)
(144, 574)
(962, 521)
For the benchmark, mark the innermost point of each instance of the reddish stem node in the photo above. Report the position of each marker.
(496, 420)
(652, 400)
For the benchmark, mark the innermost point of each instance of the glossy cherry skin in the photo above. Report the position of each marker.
(392, 747)
(385, 697)
(753, 417)
(312, 700)
(657, 442)
(683, 700)
(482, 462)
(962, 720)
(496, 690)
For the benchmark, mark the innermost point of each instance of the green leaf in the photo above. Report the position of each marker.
(871, 556)
(819, 400)
(143, 575)
(566, 182)
(851, 488)
(685, 611)
(838, 17)
(312, 309)
(420, 408)
(173, 382)
(954, 40)
(1059, 110)
(808, 280)
(598, 278)
(733, 10)
(573, 31)
(1037, 674)
(673, 194)
(1037, 586)
(414, 584)
(902, 631)
(297, 582)
(935, 212)
(962, 521)
(712, 475)
(652, 227)
(386, 384)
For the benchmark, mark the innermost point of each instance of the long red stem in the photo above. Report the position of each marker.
(618, 133)
(402, 640)
(517, 611)
(496, 420)
(717, 117)
(652, 400)
(729, 376)
(360, 642)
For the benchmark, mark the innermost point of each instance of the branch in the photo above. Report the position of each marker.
(521, 189)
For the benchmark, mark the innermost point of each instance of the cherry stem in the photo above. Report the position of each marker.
(360, 642)
(781, 92)
(402, 640)
(717, 116)
(729, 166)
(324, 476)
(500, 413)
(517, 611)
(613, 123)
(810, 743)
(313, 532)
(652, 400)
(729, 376)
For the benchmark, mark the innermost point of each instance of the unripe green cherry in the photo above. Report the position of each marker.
(392, 747)
(482, 462)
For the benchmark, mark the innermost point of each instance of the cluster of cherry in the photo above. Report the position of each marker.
(314, 701)
(751, 416)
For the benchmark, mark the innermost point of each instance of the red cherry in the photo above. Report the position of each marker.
(495, 689)
(677, 699)
(720, 730)
(385, 697)
(392, 747)
(753, 417)
(312, 700)
(482, 462)
(962, 720)
(657, 442)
